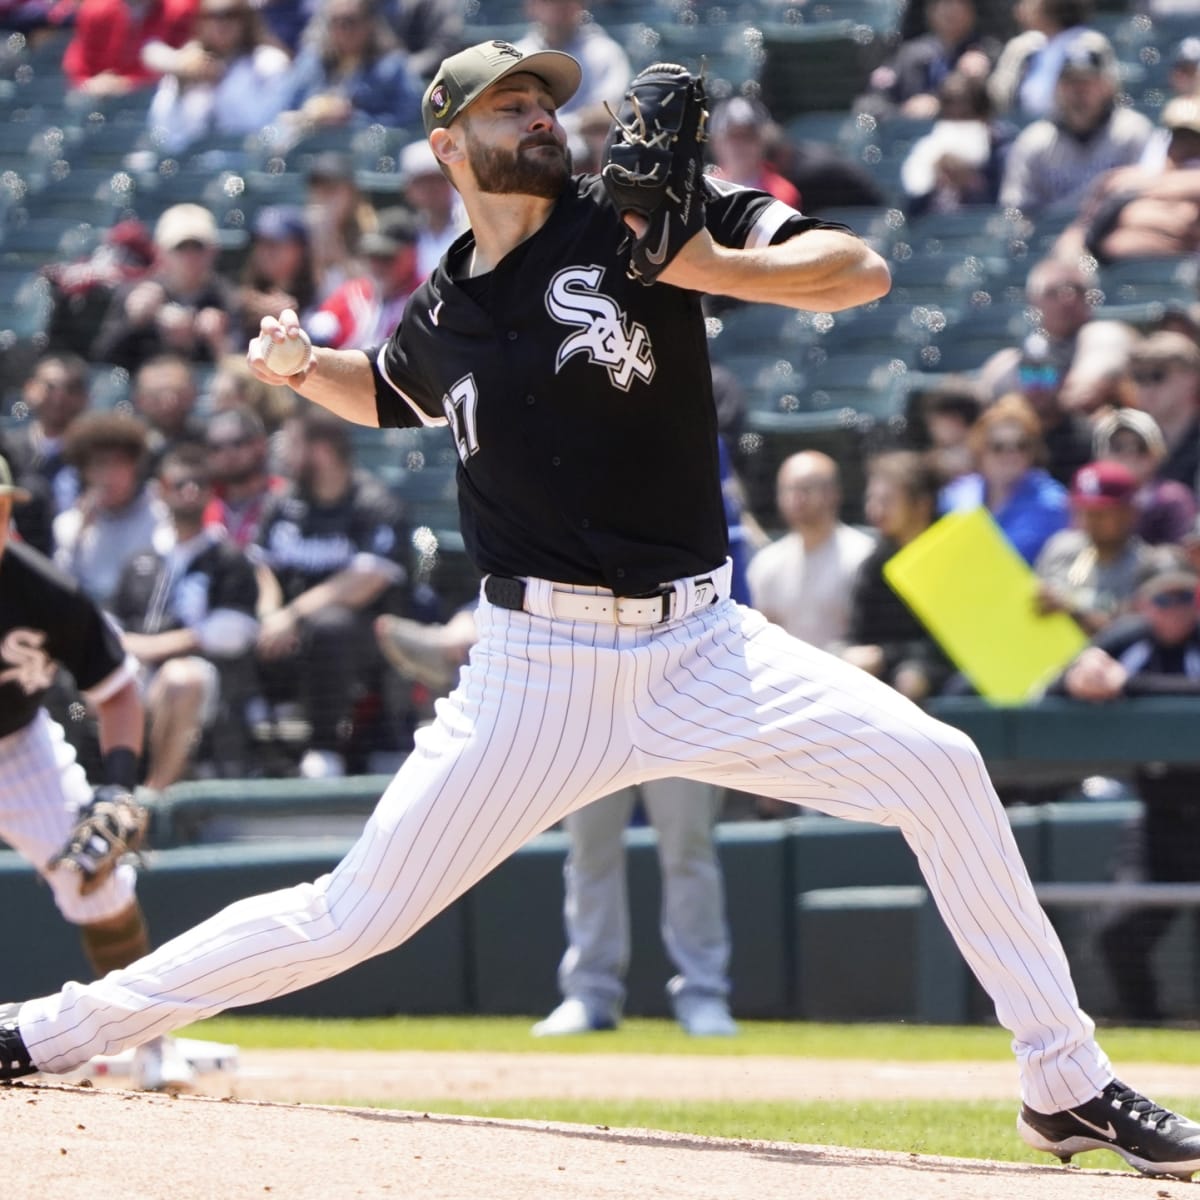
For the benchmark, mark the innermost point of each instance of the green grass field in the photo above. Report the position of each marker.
(978, 1130)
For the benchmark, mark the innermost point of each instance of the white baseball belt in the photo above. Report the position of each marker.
(563, 602)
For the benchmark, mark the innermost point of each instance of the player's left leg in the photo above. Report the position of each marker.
(764, 713)
(694, 930)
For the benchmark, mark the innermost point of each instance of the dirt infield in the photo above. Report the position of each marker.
(100, 1143)
(74, 1143)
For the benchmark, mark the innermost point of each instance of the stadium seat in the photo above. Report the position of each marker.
(818, 66)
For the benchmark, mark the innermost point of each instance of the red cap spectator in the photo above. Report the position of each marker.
(1103, 485)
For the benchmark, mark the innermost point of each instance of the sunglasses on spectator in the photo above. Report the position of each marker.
(1003, 446)
(192, 244)
(1146, 378)
(1061, 290)
(229, 443)
(1047, 376)
(1175, 598)
(222, 14)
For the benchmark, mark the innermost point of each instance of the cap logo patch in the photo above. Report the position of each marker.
(1089, 483)
(508, 48)
(439, 100)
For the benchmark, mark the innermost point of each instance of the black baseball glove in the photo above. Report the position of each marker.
(112, 826)
(654, 164)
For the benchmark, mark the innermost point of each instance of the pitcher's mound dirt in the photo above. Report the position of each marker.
(73, 1143)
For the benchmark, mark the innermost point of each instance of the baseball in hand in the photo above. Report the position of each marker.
(286, 357)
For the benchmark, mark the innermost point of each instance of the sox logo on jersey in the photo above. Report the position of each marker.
(33, 669)
(606, 336)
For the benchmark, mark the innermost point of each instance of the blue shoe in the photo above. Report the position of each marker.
(704, 1016)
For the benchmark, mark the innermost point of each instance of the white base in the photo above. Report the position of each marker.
(206, 1058)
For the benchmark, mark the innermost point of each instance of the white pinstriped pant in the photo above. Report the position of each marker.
(549, 715)
(41, 789)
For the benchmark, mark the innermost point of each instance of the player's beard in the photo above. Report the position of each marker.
(526, 171)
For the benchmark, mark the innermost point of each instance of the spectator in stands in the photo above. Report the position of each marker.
(1054, 161)
(115, 43)
(1165, 368)
(234, 385)
(184, 305)
(1090, 572)
(567, 25)
(1091, 354)
(427, 30)
(1145, 211)
(164, 396)
(885, 638)
(337, 215)
(81, 291)
(1026, 502)
(116, 515)
(939, 418)
(1067, 435)
(1166, 507)
(337, 547)
(242, 483)
(1183, 83)
(428, 193)
(960, 161)
(1028, 68)
(908, 83)
(363, 312)
(226, 80)
(738, 136)
(802, 580)
(1185, 68)
(238, 467)
(187, 615)
(54, 396)
(1155, 653)
(278, 272)
(351, 72)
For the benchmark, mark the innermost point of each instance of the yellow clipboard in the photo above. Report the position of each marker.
(975, 594)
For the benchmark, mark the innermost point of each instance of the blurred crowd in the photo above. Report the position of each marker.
(278, 576)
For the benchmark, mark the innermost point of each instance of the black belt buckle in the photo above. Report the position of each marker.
(504, 592)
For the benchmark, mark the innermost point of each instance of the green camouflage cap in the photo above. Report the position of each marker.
(8, 488)
(464, 77)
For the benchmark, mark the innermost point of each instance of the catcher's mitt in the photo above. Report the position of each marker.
(654, 164)
(110, 827)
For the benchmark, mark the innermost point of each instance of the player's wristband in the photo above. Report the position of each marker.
(121, 767)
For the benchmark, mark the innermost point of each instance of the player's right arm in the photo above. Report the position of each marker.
(339, 380)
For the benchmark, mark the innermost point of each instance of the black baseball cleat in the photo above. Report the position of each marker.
(1154, 1140)
(14, 1058)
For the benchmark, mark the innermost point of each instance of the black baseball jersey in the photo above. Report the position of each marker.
(304, 542)
(46, 620)
(160, 592)
(580, 400)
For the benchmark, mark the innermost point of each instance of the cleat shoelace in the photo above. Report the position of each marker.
(1139, 1106)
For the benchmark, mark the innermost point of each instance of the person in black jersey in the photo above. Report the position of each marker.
(45, 621)
(610, 651)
